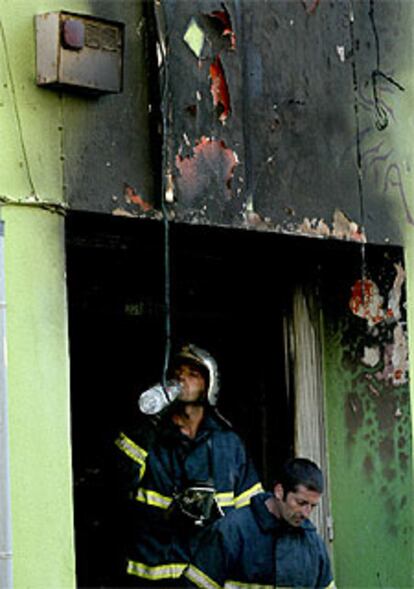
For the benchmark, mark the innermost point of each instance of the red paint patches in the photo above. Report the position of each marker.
(398, 374)
(212, 163)
(313, 6)
(131, 196)
(219, 89)
(366, 301)
(358, 235)
(223, 18)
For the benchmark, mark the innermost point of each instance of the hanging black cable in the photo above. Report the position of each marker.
(167, 295)
(358, 139)
(165, 111)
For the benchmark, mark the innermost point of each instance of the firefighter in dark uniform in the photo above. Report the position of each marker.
(269, 544)
(183, 468)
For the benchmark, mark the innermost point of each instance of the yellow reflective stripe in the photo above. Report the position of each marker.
(155, 573)
(225, 499)
(153, 498)
(331, 585)
(200, 579)
(131, 449)
(244, 498)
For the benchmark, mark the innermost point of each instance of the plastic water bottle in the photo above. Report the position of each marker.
(158, 397)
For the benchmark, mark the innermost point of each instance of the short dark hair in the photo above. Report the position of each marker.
(300, 471)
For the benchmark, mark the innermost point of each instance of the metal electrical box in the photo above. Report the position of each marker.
(79, 52)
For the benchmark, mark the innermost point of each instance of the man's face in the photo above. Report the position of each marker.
(192, 383)
(297, 505)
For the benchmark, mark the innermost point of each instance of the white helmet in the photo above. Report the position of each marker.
(200, 357)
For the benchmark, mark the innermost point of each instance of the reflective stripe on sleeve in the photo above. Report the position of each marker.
(225, 499)
(155, 573)
(153, 498)
(331, 585)
(131, 449)
(200, 579)
(244, 498)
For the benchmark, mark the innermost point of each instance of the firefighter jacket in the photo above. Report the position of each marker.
(253, 548)
(161, 462)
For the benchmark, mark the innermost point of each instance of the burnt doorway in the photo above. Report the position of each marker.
(230, 293)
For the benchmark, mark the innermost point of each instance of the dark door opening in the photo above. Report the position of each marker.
(229, 294)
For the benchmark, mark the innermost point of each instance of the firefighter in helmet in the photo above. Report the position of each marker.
(183, 468)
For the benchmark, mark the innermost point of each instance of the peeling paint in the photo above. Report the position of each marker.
(375, 399)
(365, 293)
(342, 228)
(124, 212)
(399, 356)
(394, 298)
(119, 212)
(254, 220)
(219, 89)
(131, 197)
(194, 37)
(314, 227)
(366, 301)
(132, 204)
(211, 161)
(345, 228)
(371, 356)
(222, 17)
(311, 227)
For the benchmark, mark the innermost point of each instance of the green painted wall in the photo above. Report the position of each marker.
(55, 145)
(410, 319)
(369, 415)
(405, 139)
(371, 513)
(31, 175)
(29, 118)
(41, 488)
(369, 435)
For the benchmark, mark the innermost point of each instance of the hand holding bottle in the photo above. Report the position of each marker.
(158, 397)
